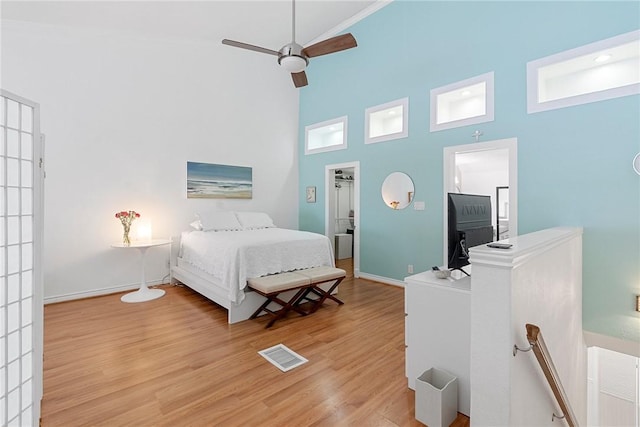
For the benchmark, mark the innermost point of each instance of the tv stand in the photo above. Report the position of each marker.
(438, 329)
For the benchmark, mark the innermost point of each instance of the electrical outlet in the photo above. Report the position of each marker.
(410, 268)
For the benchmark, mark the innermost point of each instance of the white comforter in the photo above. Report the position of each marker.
(234, 256)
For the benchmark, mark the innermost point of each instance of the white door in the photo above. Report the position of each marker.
(21, 310)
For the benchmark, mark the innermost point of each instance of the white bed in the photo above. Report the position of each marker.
(217, 264)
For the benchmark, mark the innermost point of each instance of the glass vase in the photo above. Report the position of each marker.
(125, 236)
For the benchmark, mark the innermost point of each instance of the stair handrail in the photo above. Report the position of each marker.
(534, 336)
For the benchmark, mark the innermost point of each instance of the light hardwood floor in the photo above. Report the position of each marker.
(176, 362)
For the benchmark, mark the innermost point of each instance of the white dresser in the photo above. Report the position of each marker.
(438, 329)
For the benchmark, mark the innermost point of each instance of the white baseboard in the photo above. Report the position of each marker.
(98, 292)
(382, 279)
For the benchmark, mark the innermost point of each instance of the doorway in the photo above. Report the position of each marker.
(342, 213)
(484, 168)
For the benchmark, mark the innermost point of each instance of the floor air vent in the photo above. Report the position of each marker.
(282, 357)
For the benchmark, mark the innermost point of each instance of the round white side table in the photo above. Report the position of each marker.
(144, 293)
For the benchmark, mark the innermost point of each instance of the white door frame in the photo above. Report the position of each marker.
(329, 207)
(449, 173)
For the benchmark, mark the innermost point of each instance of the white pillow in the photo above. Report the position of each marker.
(254, 220)
(197, 224)
(220, 221)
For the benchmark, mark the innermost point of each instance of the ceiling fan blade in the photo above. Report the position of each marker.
(299, 79)
(334, 44)
(249, 47)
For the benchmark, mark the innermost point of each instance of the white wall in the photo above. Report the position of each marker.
(122, 115)
(481, 177)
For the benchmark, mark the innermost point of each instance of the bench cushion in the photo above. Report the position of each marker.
(322, 273)
(278, 282)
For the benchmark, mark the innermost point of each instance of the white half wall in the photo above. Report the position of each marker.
(122, 114)
(538, 281)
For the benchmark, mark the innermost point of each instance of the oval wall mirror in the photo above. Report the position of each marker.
(636, 163)
(397, 190)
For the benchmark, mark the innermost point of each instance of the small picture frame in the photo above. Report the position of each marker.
(311, 194)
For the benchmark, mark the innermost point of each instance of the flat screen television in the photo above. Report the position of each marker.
(469, 225)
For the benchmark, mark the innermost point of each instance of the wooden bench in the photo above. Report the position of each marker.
(305, 282)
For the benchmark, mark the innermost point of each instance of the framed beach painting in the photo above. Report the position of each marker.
(211, 181)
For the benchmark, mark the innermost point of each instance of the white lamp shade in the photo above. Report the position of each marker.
(143, 231)
(293, 64)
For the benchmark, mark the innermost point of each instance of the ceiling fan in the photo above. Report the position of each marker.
(295, 58)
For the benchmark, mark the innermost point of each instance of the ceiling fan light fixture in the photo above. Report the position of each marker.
(293, 57)
(293, 63)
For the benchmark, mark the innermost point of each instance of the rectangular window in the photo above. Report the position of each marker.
(387, 121)
(326, 136)
(462, 103)
(602, 70)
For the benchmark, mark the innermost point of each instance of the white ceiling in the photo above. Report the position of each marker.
(265, 23)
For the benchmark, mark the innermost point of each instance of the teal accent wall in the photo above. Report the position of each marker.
(574, 163)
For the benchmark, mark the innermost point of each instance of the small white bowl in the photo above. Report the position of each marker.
(442, 274)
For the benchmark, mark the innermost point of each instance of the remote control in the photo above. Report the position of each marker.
(499, 245)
